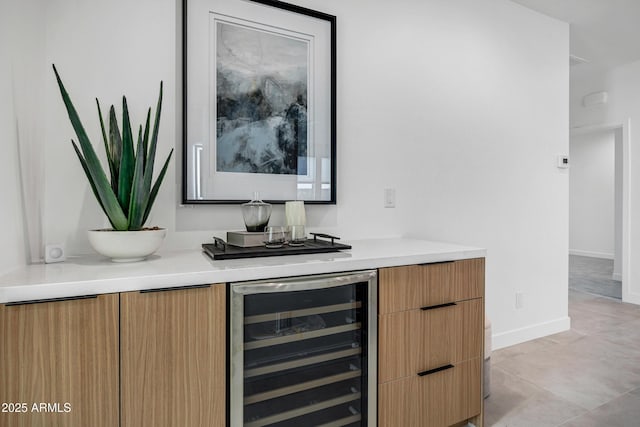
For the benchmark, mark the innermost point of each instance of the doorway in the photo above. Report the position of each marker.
(596, 210)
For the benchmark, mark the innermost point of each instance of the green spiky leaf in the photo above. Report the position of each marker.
(145, 141)
(156, 187)
(136, 204)
(88, 174)
(115, 148)
(96, 175)
(149, 165)
(127, 162)
(112, 167)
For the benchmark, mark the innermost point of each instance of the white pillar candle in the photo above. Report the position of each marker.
(294, 213)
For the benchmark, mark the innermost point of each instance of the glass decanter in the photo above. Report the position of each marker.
(256, 214)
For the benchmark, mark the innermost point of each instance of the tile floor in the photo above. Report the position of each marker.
(587, 377)
(593, 275)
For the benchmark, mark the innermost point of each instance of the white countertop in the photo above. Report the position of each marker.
(97, 275)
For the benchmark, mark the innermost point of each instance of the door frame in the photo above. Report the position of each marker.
(625, 127)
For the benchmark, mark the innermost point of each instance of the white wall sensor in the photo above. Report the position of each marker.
(596, 98)
(54, 253)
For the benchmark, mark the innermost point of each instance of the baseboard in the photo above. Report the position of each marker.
(517, 336)
(591, 254)
(631, 299)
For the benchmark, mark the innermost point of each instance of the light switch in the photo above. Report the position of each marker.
(563, 161)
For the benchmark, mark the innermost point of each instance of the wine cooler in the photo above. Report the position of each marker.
(303, 351)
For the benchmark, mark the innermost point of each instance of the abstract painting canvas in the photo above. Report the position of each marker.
(259, 102)
(261, 105)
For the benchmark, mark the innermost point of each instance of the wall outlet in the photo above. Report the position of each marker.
(519, 300)
(389, 197)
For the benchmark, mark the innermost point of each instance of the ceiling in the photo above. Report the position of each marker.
(605, 33)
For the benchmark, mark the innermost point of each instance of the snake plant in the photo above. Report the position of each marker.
(127, 197)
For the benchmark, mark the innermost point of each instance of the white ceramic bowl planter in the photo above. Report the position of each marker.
(127, 246)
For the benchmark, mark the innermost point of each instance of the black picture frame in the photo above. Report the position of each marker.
(192, 174)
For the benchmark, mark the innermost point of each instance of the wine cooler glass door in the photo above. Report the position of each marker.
(303, 351)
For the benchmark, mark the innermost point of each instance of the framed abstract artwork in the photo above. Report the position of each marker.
(259, 102)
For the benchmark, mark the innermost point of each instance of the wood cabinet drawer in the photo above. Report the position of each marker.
(418, 340)
(414, 286)
(436, 400)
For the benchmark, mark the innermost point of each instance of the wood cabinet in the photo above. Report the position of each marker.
(430, 344)
(158, 358)
(133, 359)
(59, 362)
(173, 357)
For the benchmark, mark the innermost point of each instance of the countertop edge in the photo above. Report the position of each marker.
(276, 267)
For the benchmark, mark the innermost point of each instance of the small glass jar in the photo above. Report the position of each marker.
(256, 214)
(275, 237)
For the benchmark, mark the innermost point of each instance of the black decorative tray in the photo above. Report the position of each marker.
(220, 250)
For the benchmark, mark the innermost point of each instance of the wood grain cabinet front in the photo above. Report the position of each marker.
(425, 285)
(430, 344)
(419, 340)
(59, 363)
(442, 398)
(173, 357)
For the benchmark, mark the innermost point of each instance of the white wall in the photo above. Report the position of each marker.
(12, 251)
(21, 80)
(481, 163)
(592, 195)
(461, 106)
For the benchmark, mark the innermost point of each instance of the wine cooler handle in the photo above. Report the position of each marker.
(434, 370)
(433, 307)
(318, 282)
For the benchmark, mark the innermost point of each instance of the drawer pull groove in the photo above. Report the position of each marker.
(42, 301)
(433, 307)
(434, 370)
(176, 288)
(426, 264)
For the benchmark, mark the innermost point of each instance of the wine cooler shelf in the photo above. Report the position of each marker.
(293, 381)
(304, 352)
(303, 403)
(342, 415)
(270, 317)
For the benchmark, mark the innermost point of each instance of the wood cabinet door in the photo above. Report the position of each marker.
(440, 399)
(59, 362)
(173, 346)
